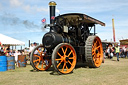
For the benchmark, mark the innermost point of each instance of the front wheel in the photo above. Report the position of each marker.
(39, 58)
(64, 58)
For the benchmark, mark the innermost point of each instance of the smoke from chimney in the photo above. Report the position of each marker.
(12, 20)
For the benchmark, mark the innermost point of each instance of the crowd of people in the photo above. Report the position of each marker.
(119, 52)
(11, 52)
(15, 53)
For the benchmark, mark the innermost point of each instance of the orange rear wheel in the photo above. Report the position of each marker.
(39, 59)
(94, 51)
(64, 58)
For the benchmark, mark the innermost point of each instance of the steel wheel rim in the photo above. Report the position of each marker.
(38, 59)
(65, 59)
(97, 52)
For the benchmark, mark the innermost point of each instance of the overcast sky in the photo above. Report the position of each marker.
(21, 19)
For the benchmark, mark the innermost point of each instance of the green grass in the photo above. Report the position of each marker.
(111, 72)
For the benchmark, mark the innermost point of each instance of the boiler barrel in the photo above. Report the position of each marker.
(50, 40)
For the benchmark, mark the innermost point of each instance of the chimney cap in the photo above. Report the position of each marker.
(52, 3)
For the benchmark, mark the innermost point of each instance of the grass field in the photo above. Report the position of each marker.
(111, 72)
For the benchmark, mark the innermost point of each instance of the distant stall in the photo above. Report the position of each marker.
(124, 43)
(107, 43)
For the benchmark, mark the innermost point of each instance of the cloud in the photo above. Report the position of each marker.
(27, 7)
(57, 11)
(1, 6)
(41, 9)
(15, 3)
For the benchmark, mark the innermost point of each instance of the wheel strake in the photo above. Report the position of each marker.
(94, 51)
(64, 58)
(38, 58)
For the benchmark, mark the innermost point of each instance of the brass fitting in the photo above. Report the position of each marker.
(52, 3)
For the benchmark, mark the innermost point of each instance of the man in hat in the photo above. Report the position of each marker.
(35, 44)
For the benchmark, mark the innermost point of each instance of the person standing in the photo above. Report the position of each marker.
(127, 51)
(31, 48)
(16, 56)
(11, 53)
(110, 52)
(117, 48)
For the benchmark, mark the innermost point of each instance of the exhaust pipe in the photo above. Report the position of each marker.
(52, 6)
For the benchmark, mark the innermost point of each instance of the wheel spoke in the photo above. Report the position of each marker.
(95, 43)
(93, 51)
(70, 53)
(66, 67)
(37, 65)
(58, 59)
(93, 54)
(63, 66)
(97, 61)
(98, 55)
(39, 52)
(71, 58)
(36, 55)
(59, 64)
(98, 47)
(36, 60)
(42, 64)
(59, 55)
(69, 62)
(63, 50)
(94, 59)
(92, 46)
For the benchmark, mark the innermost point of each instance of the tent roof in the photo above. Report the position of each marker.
(5, 40)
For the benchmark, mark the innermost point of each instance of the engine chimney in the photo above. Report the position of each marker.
(52, 6)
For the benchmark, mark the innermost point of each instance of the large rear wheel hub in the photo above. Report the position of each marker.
(96, 51)
(66, 58)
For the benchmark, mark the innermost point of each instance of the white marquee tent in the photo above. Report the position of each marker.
(5, 40)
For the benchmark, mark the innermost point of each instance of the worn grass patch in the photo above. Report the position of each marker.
(111, 72)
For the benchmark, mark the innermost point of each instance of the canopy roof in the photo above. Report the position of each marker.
(124, 42)
(79, 18)
(5, 40)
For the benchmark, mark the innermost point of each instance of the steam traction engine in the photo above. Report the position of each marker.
(68, 42)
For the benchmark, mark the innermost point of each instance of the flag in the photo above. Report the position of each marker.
(52, 17)
(43, 20)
